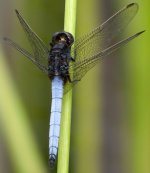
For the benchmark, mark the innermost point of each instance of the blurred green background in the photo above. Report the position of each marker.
(111, 105)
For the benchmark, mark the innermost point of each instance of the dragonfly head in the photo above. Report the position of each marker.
(62, 37)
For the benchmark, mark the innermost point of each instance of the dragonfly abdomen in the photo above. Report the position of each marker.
(55, 118)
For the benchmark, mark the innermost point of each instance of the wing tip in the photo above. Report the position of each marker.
(141, 32)
(16, 11)
(4, 39)
(132, 4)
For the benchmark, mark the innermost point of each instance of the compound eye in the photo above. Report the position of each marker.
(59, 37)
(63, 37)
(70, 38)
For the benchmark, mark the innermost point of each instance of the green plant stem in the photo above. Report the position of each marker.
(64, 143)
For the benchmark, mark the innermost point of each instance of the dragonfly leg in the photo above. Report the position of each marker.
(72, 59)
(72, 81)
(69, 78)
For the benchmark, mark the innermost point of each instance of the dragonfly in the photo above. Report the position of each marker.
(68, 60)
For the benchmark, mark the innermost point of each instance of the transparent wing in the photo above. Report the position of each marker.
(87, 50)
(106, 34)
(80, 68)
(25, 53)
(40, 51)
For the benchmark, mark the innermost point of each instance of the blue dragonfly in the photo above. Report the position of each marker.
(65, 66)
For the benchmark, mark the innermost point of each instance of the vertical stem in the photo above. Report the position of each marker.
(64, 143)
(70, 16)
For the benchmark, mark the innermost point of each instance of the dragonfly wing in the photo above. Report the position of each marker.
(40, 51)
(106, 34)
(80, 68)
(25, 53)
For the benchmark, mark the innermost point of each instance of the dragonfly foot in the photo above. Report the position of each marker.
(74, 81)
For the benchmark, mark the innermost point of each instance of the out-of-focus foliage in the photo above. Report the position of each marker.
(110, 119)
(111, 123)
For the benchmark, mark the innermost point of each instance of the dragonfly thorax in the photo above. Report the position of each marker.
(59, 56)
(58, 65)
